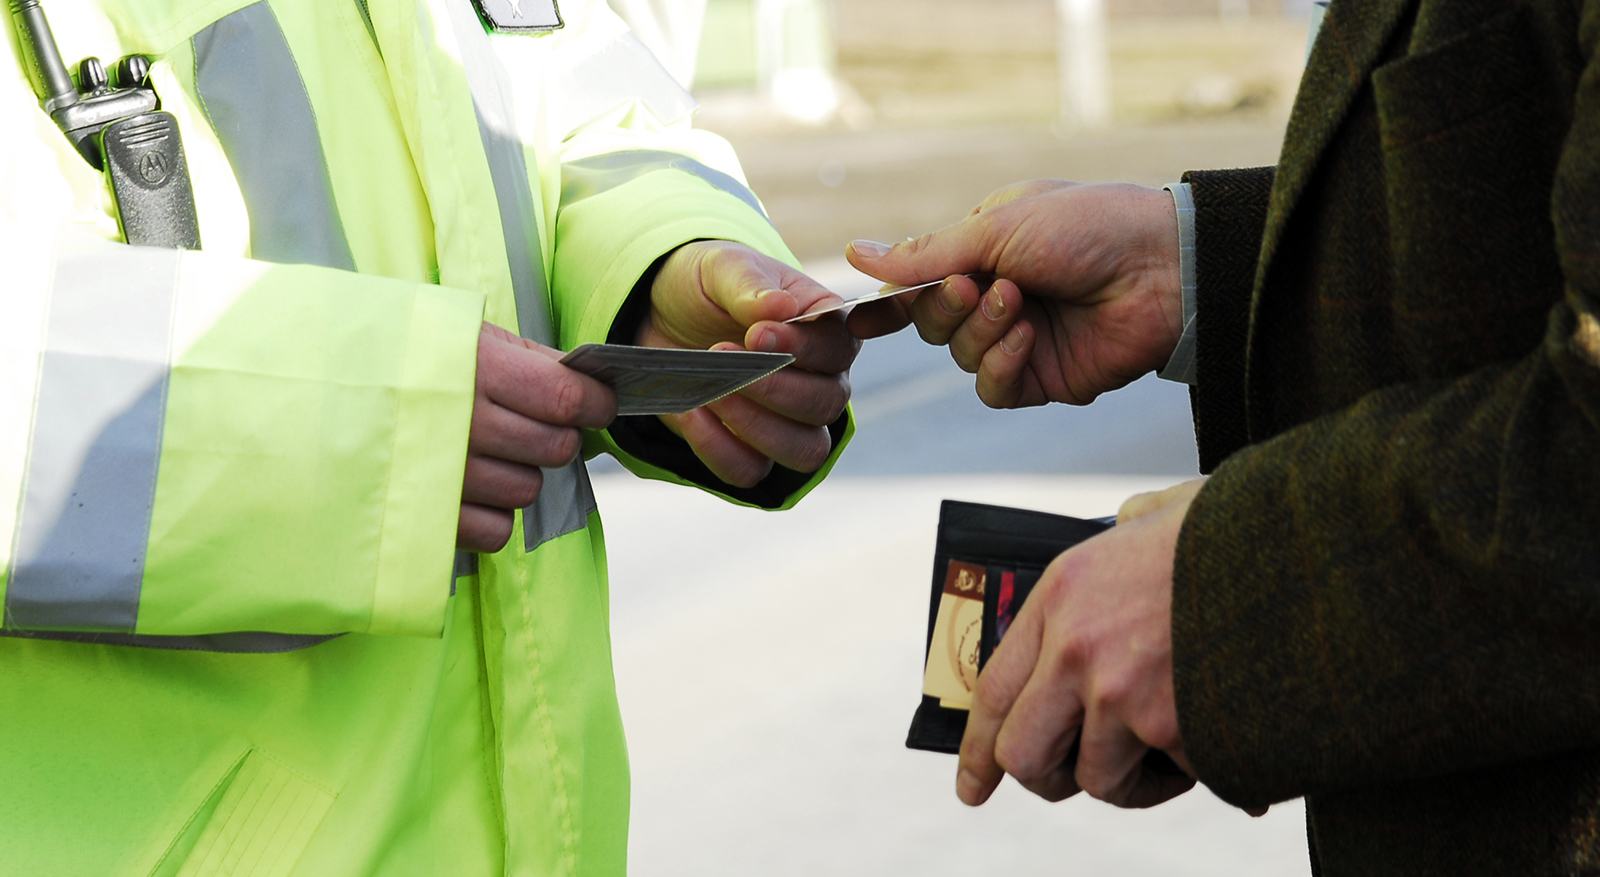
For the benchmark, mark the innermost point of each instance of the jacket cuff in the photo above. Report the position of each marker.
(608, 248)
(1230, 216)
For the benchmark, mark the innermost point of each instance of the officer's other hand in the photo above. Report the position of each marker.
(726, 296)
(527, 413)
(1089, 298)
(1089, 658)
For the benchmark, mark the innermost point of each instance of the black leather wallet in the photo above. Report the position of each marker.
(1013, 547)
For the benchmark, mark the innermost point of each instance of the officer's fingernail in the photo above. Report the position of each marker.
(1012, 342)
(870, 249)
(949, 299)
(767, 341)
(968, 789)
(994, 307)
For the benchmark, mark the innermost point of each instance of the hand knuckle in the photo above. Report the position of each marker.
(1020, 761)
(566, 446)
(920, 245)
(565, 400)
(1094, 782)
(528, 490)
(815, 453)
(497, 532)
(992, 696)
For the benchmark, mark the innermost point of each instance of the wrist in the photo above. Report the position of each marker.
(1153, 272)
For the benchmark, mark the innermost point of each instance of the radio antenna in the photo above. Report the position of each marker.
(52, 84)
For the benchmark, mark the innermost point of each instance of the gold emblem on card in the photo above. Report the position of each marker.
(951, 673)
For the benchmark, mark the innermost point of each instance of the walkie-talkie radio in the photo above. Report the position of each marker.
(117, 125)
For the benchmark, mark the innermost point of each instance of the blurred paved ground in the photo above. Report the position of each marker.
(768, 666)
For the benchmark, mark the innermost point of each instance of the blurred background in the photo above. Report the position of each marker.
(768, 665)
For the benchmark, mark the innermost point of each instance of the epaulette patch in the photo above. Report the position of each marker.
(514, 16)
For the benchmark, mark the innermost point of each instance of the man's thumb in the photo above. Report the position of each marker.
(931, 257)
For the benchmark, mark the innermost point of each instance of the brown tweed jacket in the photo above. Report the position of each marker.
(1387, 599)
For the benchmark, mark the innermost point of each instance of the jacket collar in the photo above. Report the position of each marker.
(1348, 46)
(1352, 39)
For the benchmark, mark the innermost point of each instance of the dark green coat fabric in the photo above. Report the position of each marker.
(1387, 598)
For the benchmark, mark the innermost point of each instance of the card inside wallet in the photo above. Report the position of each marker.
(998, 554)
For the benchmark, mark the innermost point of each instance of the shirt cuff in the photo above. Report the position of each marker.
(1181, 366)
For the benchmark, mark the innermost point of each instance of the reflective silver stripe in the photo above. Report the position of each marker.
(466, 565)
(508, 167)
(571, 500)
(623, 72)
(566, 499)
(252, 643)
(257, 102)
(84, 523)
(588, 177)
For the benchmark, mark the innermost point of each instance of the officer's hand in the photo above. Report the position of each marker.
(1090, 298)
(725, 296)
(526, 413)
(1090, 656)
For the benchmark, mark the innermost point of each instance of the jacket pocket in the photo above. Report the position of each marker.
(256, 823)
(1458, 82)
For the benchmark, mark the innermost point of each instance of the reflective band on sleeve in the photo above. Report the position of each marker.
(622, 72)
(545, 521)
(247, 643)
(252, 91)
(84, 524)
(588, 177)
(565, 501)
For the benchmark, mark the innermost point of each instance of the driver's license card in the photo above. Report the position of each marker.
(658, 380)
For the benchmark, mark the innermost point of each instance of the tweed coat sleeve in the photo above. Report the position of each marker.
(1409, 586)
(1230, 212)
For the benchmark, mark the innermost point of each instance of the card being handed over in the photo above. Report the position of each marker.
(662, 380)
(889, 291)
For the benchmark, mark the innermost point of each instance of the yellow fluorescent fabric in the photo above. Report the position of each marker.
(338, 442)
(311, 451)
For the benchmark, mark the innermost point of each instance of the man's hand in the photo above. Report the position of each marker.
(526, 413)
(1089, 297)
(725, 296)
(1089, 658)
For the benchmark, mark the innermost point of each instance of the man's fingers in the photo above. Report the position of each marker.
(482, 529)
(961, 248)
(1108, 759)
(1111, 766)
(940, 311)
(1056, 785)
(1004, 379)
(500, 484)
(820, 345)
(529, 379)
(1039, 732)
(753, 287)
(998, 310)
(1001, 681)
(503, 433)
(728, 457)
(806, 397)
(1141, 504)
(875, 319)
(798, 446)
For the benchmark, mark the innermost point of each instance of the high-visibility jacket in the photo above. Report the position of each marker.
(237, 638)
